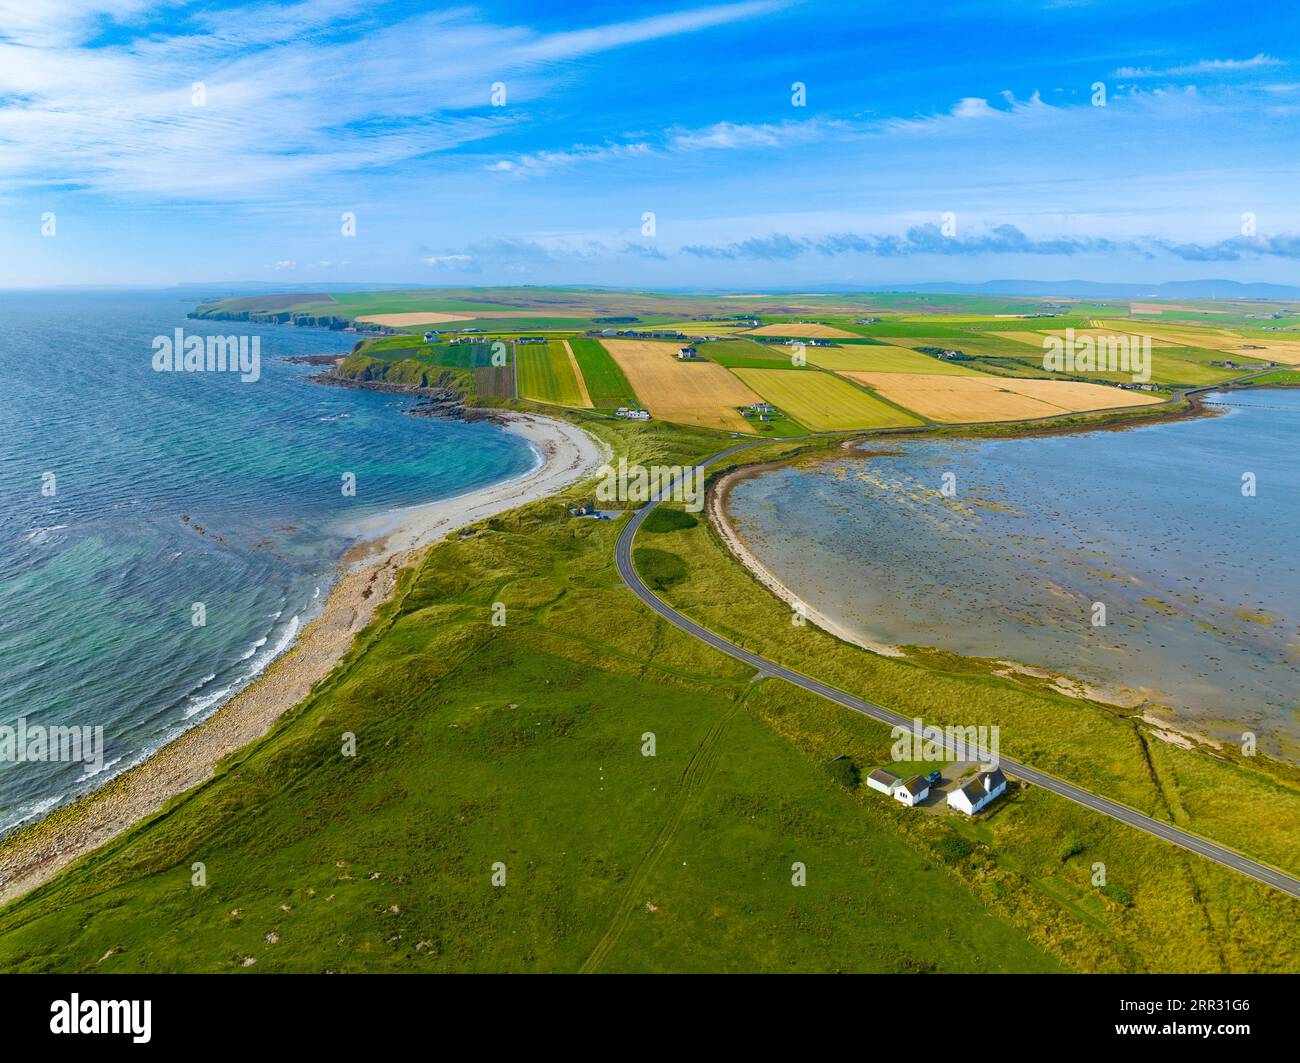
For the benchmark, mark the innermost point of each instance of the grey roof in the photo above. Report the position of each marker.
(983, 784)
(916, 785)
(880, 775)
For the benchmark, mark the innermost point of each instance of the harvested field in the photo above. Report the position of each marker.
(822, 402)
(1160, 308)
(969, 399)
(421, 317)
(1120, 328)
(1222, 340)
(803, 330)
(697, 393)
(495, 381)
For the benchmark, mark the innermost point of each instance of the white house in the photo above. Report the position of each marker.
(980, 791)
(883, 781)
(431, 337)
(912, 792)
(687, 354)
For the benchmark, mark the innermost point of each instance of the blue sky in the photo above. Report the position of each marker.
(979, 114)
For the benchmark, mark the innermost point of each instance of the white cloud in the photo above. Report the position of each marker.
(972, 107)
(291, 93)
(1204, 66)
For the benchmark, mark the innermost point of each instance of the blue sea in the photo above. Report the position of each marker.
(1198, 579)
(129, 496)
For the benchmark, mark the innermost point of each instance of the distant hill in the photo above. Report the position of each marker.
(1077, 289)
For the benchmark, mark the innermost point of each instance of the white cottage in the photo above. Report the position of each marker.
(883, 781)
(912, 792)
(980, 791)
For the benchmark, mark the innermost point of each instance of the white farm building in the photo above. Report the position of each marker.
(980, 791)
(883, 781)
(912, 792)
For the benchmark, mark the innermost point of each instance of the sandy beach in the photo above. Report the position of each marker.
(366, 577)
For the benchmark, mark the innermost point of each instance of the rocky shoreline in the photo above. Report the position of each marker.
(441, 402)
(367, 576)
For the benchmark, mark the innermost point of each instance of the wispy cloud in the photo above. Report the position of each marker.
(219, 111)
(1204, 66)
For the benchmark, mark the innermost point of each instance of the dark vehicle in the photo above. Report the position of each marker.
(934, 778)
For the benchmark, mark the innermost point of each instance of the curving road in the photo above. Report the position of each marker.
(1191, 842)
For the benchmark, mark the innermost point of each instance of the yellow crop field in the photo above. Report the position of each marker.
(884, 359)
(1120, 328)
(822, 402)
(803, 330)
(1210, 338)
(698, 393)
(968, 399)
(1285, 351)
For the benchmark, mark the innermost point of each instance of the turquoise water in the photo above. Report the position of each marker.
(99, 580)
(1199, 582)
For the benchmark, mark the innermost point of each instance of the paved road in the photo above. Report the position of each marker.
(1208, 849)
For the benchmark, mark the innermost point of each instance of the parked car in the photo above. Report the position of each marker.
(934, 778)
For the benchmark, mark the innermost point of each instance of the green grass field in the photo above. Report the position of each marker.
(546, 374)
(522, 746)
(822, 402)
(1282, 376)
(746, 354)
(1035, 854)
(606, 384)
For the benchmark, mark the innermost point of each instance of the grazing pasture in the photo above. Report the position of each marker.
(697, 393)
(822, 402)
(746, 354)
(548, 374)
(606, 385)
(968, 399)
(577, 374)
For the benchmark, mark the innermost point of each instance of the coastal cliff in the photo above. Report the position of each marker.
(444, 391)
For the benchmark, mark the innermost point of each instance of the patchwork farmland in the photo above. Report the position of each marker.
(803, 330)
(972, 399)
(548, 373)
(891, 359)
(821, 402)
(696, 393)
(607, 387)
(886, 359)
